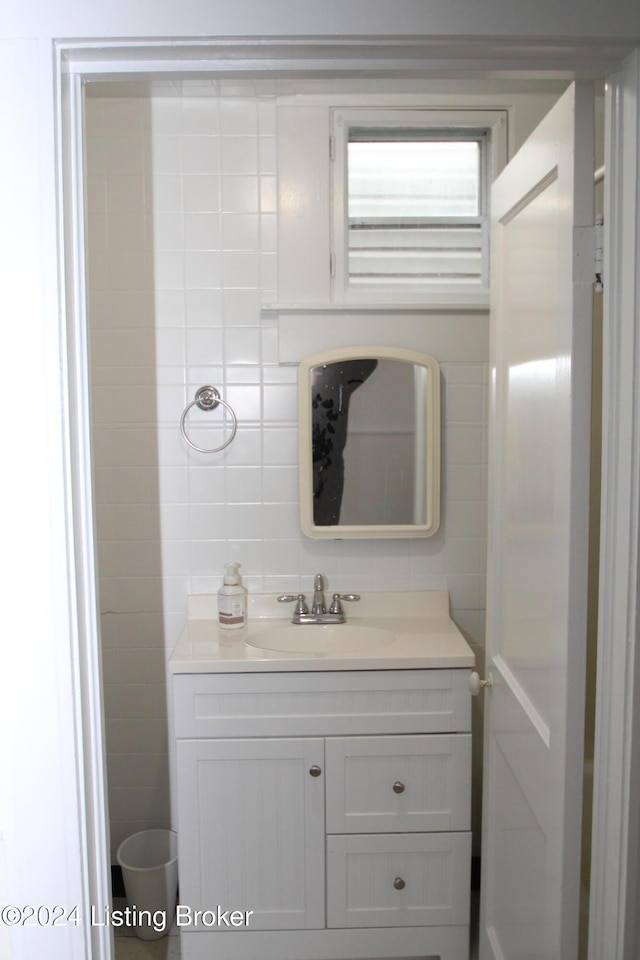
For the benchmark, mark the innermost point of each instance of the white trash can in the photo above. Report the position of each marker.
(149, 862)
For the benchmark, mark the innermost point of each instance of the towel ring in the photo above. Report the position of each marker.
(208, 398)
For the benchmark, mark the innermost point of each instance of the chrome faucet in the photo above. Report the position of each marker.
(319, 612)
(318, 606)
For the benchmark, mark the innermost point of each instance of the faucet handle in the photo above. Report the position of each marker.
(301, 606)
(336, 606)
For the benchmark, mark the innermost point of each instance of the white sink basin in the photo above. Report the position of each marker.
(321, 638)
(391, 630)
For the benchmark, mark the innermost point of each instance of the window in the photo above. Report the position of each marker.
(410, 204)
(414, 208)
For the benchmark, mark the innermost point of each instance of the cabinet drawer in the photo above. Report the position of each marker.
(391, 784)
(349, 702)
(390, 881)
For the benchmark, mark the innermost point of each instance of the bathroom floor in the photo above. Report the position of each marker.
(129, 947)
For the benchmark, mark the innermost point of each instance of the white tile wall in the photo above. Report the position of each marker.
(182, 252)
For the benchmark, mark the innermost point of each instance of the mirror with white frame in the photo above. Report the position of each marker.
(369, 443)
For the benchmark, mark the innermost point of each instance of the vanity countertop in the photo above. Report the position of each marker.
(416, 626)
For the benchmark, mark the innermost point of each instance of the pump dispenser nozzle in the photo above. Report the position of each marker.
(231, 575)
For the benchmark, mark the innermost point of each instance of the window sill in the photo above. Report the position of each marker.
(451, 333)
(477, 302)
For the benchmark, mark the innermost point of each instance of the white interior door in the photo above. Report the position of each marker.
(542, 210)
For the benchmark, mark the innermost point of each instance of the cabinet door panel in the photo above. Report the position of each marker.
(390, 881)
(388, 784)
(251, 829)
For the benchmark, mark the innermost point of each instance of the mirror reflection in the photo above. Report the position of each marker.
(369, 443)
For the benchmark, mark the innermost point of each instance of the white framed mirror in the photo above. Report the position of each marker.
(369, 443)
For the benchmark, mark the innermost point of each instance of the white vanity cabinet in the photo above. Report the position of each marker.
(334, 805)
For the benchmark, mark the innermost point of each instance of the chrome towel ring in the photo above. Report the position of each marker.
(208, 398)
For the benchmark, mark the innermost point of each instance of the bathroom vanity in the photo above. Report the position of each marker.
(324, 783)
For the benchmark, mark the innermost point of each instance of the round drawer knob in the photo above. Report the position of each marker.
(315, 770)
(398, 787)
(476, 684)
(398, 883)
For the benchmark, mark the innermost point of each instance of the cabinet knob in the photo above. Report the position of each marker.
(476, 684)
(398, 787)
(398, 883)
(315, 770)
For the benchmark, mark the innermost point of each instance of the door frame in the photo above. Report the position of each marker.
(615, 833)
(616, 841)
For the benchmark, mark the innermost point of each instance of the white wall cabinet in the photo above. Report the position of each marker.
(342, 844)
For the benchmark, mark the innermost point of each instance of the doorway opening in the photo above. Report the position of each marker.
(160, 343)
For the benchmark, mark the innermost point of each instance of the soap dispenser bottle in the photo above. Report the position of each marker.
(232, 599)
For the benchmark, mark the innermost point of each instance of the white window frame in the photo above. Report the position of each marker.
(492, 123)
